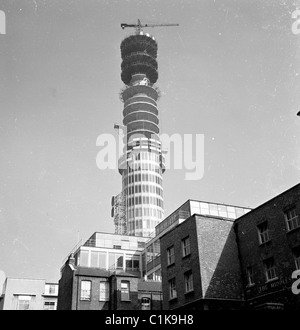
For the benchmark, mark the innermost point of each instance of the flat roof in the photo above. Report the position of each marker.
(217, 203)
(25, 278)
(188, 204)
(216, 217)
(114, 234)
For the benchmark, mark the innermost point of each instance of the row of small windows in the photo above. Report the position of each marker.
(142, 155)
(144, 167)
(155, 276)
(185, 251)
(292, 222)
(141, 224)
(148, 177)
(137, 160)
(144, 211)
(25, 302)
(104, 295)
(270, 269)
(50, 305)
(145, 200)
(86, 290)
(100, 259)
(188, 284)
(144, 188)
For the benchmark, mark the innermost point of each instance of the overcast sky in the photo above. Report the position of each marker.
(230, 71)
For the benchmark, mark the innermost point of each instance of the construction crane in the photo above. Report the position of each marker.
(139, 26)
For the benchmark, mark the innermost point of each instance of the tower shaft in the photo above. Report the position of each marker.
(142, 163)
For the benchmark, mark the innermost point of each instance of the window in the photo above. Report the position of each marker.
(23, 302)
(141, 244)
(172, 288)
(104, 291)
(102, 260)
(213, 209)
(250, 277)
(186, 247)
(125, 290)
(222, 211)
(49, 305)
(170, 255)
(128, 264)
(111, 260)
(263, 232)
(270, 269)
(136, 264)
(131, 262)
(188, 281)
(292, 219)
(94, 259)
(84, 258)
(119, 261)
(145, 302)
(52, 289)
(156, 246)
(85, 293)
(296, 253)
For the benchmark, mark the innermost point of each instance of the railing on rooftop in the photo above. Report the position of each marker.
(154, 262)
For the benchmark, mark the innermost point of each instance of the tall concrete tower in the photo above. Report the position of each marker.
(139, 207)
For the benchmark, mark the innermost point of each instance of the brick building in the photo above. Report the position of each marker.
(269, 248)
(200, 265)
(207, 255)
(213, 262)
(151, 262)
(121, 263)
(105, 273)
(90, 288)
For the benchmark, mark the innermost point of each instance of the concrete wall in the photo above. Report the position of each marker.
(19, 286)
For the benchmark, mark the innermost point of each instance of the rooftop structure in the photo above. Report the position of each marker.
(111, 252)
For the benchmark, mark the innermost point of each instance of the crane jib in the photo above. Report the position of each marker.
(139, 25)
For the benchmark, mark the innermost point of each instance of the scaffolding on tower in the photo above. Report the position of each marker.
(118, 212)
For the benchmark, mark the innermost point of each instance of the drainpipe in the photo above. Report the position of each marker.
(77, 289)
